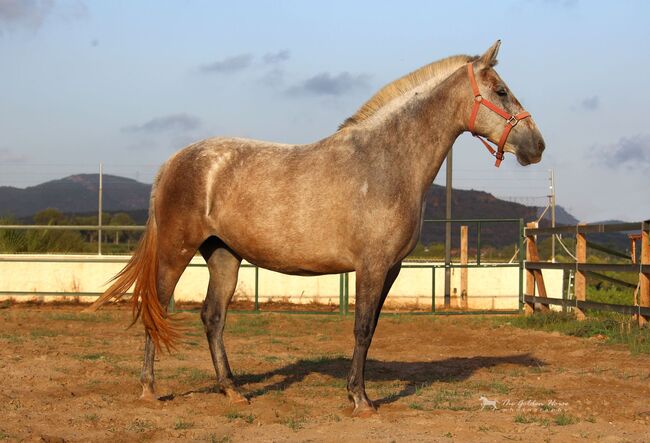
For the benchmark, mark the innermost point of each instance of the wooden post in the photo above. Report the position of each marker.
(463, 271)
(580, 284)
(633, 238)
(644, 278)
(537, 277)
(529, 308)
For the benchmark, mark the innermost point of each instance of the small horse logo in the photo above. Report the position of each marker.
(485, 402)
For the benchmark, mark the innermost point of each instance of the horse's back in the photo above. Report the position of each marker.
(267, 201)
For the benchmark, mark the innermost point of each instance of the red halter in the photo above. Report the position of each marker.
(511, 119)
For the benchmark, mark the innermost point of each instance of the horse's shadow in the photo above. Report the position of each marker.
(415, 374)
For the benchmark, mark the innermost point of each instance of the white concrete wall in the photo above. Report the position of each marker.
(488, 288)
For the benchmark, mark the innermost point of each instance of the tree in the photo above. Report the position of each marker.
(49, 216)
(121, 219)
(53, 240)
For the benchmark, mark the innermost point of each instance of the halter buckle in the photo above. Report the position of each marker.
(513, 120)
(478, 98)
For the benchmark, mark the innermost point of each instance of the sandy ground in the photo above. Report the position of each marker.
(74, 377)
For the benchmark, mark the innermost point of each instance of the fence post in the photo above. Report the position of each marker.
(346, 298)
(580, 282)
(257, 289)
(644, 277)
(433, 288)
(478, 243)
(172, 304)
(529, 308)
(522, 256)
(463, 269)
(341, 297)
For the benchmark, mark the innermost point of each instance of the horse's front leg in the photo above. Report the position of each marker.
(372, 287)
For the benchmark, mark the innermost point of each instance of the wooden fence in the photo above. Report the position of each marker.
(534, 279)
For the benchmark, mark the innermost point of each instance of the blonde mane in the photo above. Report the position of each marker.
(437, 71)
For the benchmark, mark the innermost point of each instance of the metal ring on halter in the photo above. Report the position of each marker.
(513, 120)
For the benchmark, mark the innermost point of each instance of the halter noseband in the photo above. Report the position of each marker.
(511, 119)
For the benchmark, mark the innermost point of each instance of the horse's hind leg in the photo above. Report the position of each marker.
(223, 265)
(170, 268)
(373, 286)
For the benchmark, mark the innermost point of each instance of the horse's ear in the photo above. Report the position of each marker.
(489, 59)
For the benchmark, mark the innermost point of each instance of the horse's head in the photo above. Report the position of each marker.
(502, 120)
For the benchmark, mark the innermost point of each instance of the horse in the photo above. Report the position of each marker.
(351, 202)
(485, 402)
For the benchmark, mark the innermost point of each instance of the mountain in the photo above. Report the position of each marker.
(562, 217)
(78, 194)
(471, 204)
(75, 194)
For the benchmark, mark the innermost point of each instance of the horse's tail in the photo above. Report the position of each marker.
(142, 270)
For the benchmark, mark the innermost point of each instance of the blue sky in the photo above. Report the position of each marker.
(127, 83)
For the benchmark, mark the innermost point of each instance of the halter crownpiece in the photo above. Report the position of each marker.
(511, 119)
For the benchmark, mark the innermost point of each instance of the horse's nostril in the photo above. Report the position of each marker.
(541, 145)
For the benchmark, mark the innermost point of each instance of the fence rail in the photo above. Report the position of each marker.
(534, 280)
(74, 227)
(589, 228)
(343, 278)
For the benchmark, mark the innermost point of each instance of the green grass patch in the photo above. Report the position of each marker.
(99, 317)
(40, 333)
(564, 419)
(192, 375)
(451, 399)
(236, 415)
(249, 325)
(214, 438)
(140, 425)
(491, 386)
(180, 425)
(524, 419)
(294, 423)
(616, 328)
(93, 418)
(11, 338)
(613, 295)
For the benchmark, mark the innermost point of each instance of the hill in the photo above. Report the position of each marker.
(75, 194)
(78, 194)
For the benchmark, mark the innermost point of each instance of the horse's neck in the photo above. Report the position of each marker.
(418, 137)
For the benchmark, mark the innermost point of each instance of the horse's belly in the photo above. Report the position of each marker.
(303, 256)
(287, 264)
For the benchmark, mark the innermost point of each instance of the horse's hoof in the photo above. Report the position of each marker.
(236, 397)
(364, 411)
(148, 396)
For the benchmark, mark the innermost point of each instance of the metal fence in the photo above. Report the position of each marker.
(344, 293)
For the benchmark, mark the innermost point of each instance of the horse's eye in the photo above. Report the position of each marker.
(502, 92)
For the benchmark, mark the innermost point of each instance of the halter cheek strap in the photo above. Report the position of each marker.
(511, 119)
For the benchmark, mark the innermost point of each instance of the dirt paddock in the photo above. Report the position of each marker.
(74, 377)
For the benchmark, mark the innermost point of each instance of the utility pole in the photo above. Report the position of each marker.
(448, 232)
(551, 198)
(99, 215)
